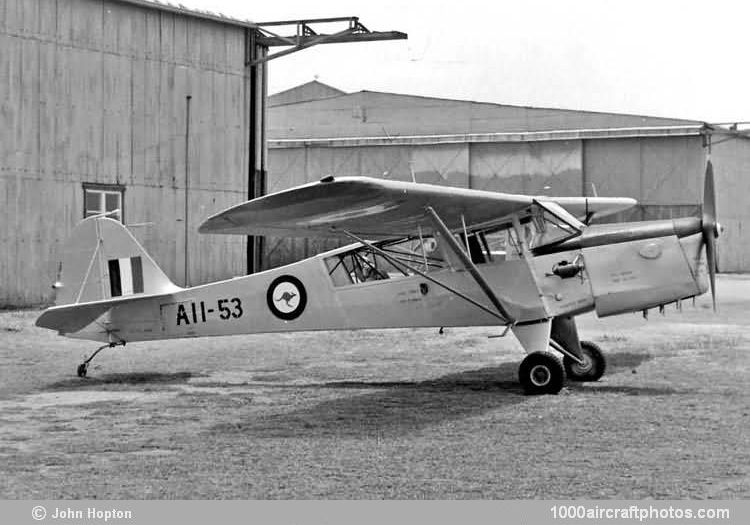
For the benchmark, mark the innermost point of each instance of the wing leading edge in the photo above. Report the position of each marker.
(377, 209)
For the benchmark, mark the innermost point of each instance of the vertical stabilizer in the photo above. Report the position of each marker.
(102, 260)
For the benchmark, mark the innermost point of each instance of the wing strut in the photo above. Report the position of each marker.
(468, 264)
(400, 264)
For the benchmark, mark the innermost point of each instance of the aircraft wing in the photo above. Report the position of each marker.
(380, 209)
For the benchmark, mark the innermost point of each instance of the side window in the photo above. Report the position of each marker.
(102, 198)
(360, 265)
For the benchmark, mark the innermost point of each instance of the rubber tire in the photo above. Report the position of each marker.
(598, 364)
(532, 372)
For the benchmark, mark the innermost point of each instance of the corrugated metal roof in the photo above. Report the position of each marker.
(367, 92)
(531, 136)
(196, 13)
(313, 90)
(368, 114)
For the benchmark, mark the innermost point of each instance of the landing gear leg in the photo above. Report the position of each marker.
(583, 360)
(84, 367)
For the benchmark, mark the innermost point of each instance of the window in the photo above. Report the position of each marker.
(102, 198)
(361, 264)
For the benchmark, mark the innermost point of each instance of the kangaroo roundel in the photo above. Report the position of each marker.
(286, 297)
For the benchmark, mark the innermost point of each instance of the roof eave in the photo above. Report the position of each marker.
(179, 9)
(521, 136)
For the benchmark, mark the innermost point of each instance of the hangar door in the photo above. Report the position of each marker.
(533, 168)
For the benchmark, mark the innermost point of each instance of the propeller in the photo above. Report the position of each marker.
(710, 227)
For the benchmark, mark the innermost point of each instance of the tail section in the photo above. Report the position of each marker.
(103, 261)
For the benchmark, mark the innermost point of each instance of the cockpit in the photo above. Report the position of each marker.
(542, 224)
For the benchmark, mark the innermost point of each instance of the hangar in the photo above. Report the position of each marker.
(316, 130)
(146, 108)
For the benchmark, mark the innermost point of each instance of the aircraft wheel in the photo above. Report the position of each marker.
(82, 369)
(593, 367)
(541, 373)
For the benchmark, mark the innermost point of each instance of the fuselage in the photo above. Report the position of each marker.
(607, 269)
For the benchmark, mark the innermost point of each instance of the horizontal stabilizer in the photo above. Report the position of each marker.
(70, 318)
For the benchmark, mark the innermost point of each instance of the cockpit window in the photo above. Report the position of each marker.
(552, 224)
(545, 223)
(541, 224)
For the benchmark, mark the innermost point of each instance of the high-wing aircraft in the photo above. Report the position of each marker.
(422, 256)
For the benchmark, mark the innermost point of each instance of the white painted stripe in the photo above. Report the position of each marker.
(126, 276)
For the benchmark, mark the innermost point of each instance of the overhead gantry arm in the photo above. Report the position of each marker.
(306, 36)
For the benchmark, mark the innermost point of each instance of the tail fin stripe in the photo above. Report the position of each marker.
(126, 276)
(115, 283)
(137, 265)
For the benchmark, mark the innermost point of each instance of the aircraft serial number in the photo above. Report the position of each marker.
(191, 313)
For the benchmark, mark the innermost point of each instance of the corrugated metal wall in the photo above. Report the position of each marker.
(731, 160)
(655, 170)
(95, 91)
(532, 168)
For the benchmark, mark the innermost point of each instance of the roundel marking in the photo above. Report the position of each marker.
(286, 297)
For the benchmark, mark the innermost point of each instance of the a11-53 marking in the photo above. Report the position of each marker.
(191, 313)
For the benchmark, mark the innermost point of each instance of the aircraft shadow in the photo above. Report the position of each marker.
(623, 361)
(624, 389)
(399, 407)
(392, 406)
(134, 379)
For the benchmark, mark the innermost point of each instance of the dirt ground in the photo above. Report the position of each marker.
(398, 414)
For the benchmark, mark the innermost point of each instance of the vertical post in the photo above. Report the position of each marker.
(187, 187)
(256, 79)
(584, 175)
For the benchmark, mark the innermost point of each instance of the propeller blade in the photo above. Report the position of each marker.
(710, 226)
(709, 199)
(711, 262)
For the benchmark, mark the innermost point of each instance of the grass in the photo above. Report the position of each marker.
(405, 414)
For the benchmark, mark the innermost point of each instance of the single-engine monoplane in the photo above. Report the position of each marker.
(420, 256)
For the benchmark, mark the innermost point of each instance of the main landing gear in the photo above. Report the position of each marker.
(593, 366)
(543, 373)
(84, 367)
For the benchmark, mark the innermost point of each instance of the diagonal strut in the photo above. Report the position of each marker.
(467, 262)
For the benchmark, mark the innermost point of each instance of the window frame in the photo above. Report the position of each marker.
(104, 189)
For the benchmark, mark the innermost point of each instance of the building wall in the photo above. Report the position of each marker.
(731, 161)
(95, 91)
(654, 170)
(531, 168)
